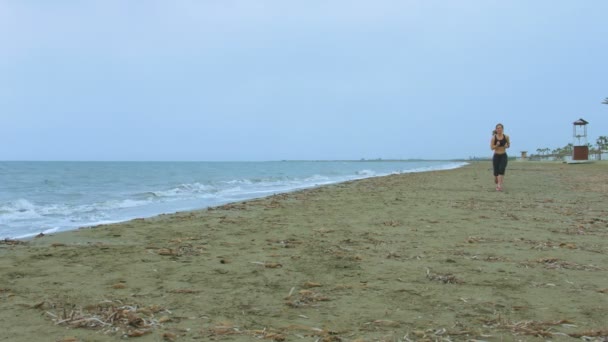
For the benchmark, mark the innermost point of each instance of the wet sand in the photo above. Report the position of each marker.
(433, 256)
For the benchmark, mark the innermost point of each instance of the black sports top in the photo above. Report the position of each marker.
(501, 142)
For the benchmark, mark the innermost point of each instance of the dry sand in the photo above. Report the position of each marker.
(434, 256)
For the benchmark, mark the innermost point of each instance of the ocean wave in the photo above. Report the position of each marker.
(448, 166)
(367, 173)
(20, 209)
(126, 196)
(177, 191)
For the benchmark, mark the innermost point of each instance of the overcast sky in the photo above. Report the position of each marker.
(309, 79)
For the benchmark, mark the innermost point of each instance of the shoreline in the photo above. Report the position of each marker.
(163, 204)
(427, 255)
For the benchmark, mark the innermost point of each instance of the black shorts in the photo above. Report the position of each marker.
(499, 161)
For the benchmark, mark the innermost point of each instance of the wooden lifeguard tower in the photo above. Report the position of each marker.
(580, 151)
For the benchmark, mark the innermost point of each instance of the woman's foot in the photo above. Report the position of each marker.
(499, 187)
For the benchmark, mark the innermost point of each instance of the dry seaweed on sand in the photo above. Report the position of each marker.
(268, 264)
(271, 333)
(12, 242)
(446, 278)
(555, 263)
(590, 334)
(305, 298)
(545, 329)
(112, 317)
(182, 249)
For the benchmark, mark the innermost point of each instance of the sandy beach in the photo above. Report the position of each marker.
(434, 256)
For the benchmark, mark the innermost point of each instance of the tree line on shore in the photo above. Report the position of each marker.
(601, 145)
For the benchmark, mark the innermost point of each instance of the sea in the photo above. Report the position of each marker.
(49, 197)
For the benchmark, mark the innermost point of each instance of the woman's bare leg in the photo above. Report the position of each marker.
(500, 179)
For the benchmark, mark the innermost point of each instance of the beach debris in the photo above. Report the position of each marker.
(589, 335)
(220, 271)
(273, 204)
(392, 223)
(222, 329)
(286, 243)
(310, 284)
(6, 293)
(290, 292)
(69, 339)
(184, 249)
(576, 229)
(137, 333)
(323, 231)
(188, 291)
(111, 317)
(475, 239)
(164, 319)
(305, 298)
(39, 235)
(555, 263)
(184, 239)
(441, 334)
(166, 251)
(384, 323)
(492, 258)
(230, 206)
(169, 336)
(227, 220)
(12, 242)
(270, 333)
(543, 245)
(446, 278)
(345, 253)
(268, 264)
(479, 239)
(393, 255)
(512, 216)
(544, 328)
(541, 285)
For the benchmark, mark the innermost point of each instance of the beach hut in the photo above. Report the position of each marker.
(524, 155)
(580, 150)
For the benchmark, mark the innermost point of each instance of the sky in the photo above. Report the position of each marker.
(243, 80)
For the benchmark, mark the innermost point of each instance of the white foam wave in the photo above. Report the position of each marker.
(20, 209)
(448, 166)
(240, 181)
(20, 205)
(314, 178)
(366, 173)
(30, 216)
(184, 189)
(51, 230)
